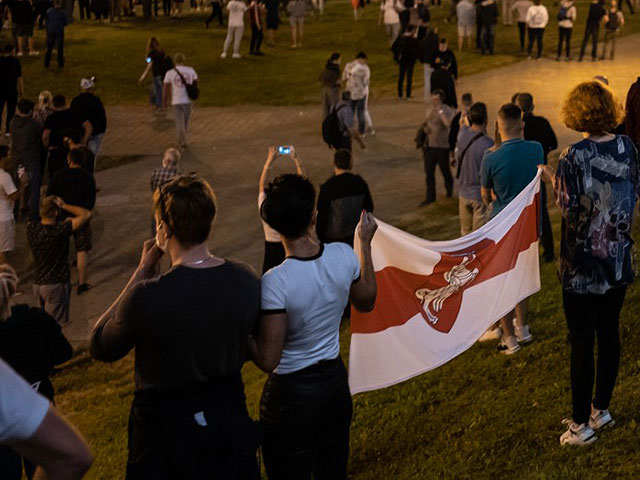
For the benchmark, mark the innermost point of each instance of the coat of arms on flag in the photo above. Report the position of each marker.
(435, 299)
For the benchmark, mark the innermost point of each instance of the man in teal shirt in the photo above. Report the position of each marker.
(505, 172)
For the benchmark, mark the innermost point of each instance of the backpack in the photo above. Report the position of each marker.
(193, 92)
(563, 13)
(612, 24)
(331, 128)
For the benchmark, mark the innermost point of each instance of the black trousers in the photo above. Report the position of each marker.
(306, 418)
(54, 40)
(588, 317)
(487, 39)
(546, 235)
(535, 35)
(592, 33)
(56, 160)
(202, 432)
(406, 69)
(216, 11)
(564, 35)
(166, 7)
(522, 28)
(85, 11)
(629, 4)
(9, 99)
(478, 31)
(256, 39)
(437, 157)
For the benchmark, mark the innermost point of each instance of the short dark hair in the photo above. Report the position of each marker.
(77, 156)
(514, 97)
(467, 99)
(342, 159)
(334, 56)
(289, 205)
(440, 93)
(478, 114)
(25, 106)
(361, 55)
(525, 102)
(4, 151)
(510, 114)
(59, 101)
(187, 206)
(443, 40)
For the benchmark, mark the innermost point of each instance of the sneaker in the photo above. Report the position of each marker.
(223, 55)
(34, 53)
(523, 334)
(84, 287)
(509, 345)
(577, 434)
(600, 419)
(236, 55)
(491, 334)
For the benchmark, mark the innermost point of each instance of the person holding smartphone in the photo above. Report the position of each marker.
(155, 64)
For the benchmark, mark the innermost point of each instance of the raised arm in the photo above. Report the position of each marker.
(364, 291)
(80, 215)
(271, 156)
(296, 159)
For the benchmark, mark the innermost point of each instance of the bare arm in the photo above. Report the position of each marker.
(548, 175)
(58, 449)
(88, 130)
(297, 161)
(80, 215)
(271, 156)
(487, 197)
(46, 133)
(363, 292)
(145, 73)
(355, 134)
(266, 350)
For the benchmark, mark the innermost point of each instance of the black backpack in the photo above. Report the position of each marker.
(332, 131)
(612, 24)
(193, 92)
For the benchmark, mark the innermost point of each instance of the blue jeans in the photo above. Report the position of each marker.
(157, 91)
(358, 108)
(94, 145)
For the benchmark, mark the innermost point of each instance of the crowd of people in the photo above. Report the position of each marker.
(194, 325)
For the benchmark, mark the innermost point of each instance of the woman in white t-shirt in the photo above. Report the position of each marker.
(389, 15)
(537, 19)
(273, 248)
(306, 406)
(235, 28)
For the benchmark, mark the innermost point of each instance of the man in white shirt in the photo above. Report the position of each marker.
(356, 76)
(33, 428)
(235, 30)
(8, 194)
(174, 87)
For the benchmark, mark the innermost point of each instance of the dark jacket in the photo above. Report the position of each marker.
(488, 14)
(538, 129)
(428, 47)
(448, 59)
(405, 49)
(441, 79)
(331, 75)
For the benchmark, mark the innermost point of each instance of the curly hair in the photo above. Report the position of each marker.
(592, 107)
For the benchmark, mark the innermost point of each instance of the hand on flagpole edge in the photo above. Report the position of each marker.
(367, 227)
(548, 174)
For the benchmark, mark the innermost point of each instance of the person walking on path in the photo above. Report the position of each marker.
(89, 110)
(428, 47)
(256, 9)
(466, 13)
(599, 174)
(389, 15)
(567, 15)
(330, 79)
(538, 129)
(520, 8)
(297, 10)
(11, 85)
(156, 64)
(437, 124)
(405, 53)
(537, 19)
(175, 81)
(56, 22)
(356, 77)
(488, 17)
(597, 15)
(506, 171)
(611, 30)
(235, 28)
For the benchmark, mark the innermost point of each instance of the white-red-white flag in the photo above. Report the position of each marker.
(435, 299)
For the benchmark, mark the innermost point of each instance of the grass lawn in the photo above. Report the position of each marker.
(482, 415)
(116, 53)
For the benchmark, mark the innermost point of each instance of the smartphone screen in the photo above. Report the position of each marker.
(284, 150)
(148, 59)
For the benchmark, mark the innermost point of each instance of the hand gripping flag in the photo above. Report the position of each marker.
(435, 299)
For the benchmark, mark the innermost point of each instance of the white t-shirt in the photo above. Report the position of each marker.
(314, 293)
(7, 187)
(390, 14)
(236, 13)
(270, 235)
(537, 16)
(178, 90)
(357, 76)
(22, 409)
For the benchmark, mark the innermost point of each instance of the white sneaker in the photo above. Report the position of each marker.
(237, 55)
(491, 334)
(509, 345)
(223, 55)
(600, 419)
(523, 334)
(577, 434)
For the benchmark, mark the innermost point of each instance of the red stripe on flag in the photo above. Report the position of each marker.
(441, 292)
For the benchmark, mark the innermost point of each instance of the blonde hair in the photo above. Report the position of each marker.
(172, 155)
(8, 287)
(592, 107)
(44, 99)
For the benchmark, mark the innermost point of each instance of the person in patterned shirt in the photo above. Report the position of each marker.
(162, 175)
(49, 243)
(596, 187)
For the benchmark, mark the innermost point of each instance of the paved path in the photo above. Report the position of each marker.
(229, 146)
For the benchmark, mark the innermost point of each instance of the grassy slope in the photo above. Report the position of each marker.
(115, 53)
(482, 415)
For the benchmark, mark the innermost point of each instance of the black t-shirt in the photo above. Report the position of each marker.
(59, 123)
(448, 61)
(50, 247)
(157, 63)
(10, 72)
(596, 12)
(189, 326)
(32, 343)
(340, 203)
(75, 186)
(538, 129)
(22, 13)
(88, 106)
